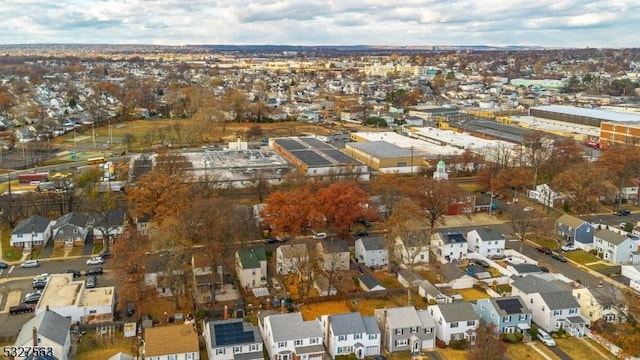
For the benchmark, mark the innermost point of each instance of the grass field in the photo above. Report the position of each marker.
(576, 349)
(598, 267)
(522, 351)
(581, 257)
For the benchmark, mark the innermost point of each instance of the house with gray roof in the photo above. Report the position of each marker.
(372, 251)
(449, 245)
(551, 303)
(251, 267)
(334, 254)
(32, 232)
(49, 330)
(432, 293)
(573, 230)
(455, 321)
(406, 329)
(368, 282)
(289, 337)
(507, 314)
(70, 230)
(351, 333)
(614, 247)
(606, 303)
(487, 241)
(232, 339)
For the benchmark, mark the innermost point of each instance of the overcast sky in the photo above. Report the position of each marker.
(562, 23)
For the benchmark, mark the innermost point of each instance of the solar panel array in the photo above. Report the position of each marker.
(315, 143)
(311, 158)
(290, 144)
(510, 306)
(340, 157)
(232, 333)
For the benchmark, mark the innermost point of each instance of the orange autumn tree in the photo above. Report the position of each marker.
(290, 212)
(342, 204)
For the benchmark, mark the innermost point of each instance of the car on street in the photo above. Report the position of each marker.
(544, 250)
(91, 282)
(271, 241)
(320, 235)
(624, 212)
(545, 338)
(32, 298)
(96, 260)
(30, 264)
(105, 254)
(559, 257)
(94, 271)
(39, 285)
(569, 247)
(76, 273)
(3, 265)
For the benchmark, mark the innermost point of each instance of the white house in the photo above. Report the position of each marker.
(545, 195)
(455, 321)
(292, 258)
(32, 232)
(410, 252)
(334, 255)
(406, 329)
(232, 339)
(632, 272)
(289, 337)
(487, 241)
(171, 342)
(614, 247)
(251, 267)
(351, 333)
(449, 245)
(51, 331)
(372, 251)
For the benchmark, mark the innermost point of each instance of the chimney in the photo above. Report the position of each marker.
(35, 337)
(226, 312)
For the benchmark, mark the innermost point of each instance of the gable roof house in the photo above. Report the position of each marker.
(576, 231)
(451, 274)
(109, 225)
(601, 303)
(351, 333)
(432, 293)
(372, 251)
(614, 247)
(411, 252)
(406, 329)
(70, 230)
(334, 255)
(232, 340)
(171, 342)
(551, 303)
(292, 258)
(288, 336)
(449, 245)
(49, 330)
(507, 314)
(486, 241)
(455, 321)
(545, 195)
(251, 267)
(368, 282)
(32, 232)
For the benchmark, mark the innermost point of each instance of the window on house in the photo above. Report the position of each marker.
(342, 338)
(471, 323)
(282, 344)
(297, 343)
(398, 331)
(402, 342)
(453, 325)
(557, 312)
(237, 349)
(573, 311)
(506, 318)
(522, 317)
(414, 330)
(313, 340)
(357, 336)
(172, 357)
(253, 347)
(373, 337)
(219, 351)
(531, 301)
(543, 308)
(427, 330)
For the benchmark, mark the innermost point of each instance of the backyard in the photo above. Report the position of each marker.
(95, 347)
(366, 307)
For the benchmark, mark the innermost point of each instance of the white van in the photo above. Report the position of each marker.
(546, 338)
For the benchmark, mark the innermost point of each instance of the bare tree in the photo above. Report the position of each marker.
(522, 222)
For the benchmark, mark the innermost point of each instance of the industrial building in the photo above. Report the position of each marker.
(490, 129)
(380, 155)
(579, 132)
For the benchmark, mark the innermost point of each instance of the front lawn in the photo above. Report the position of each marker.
(8, 253)
(581, 257)
(577, 350)
(551, 244)
(451, 354)
(599, 267)
(522, 351)
(97, 249)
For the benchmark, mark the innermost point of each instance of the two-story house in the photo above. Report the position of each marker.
(412, 251)
(292, 259)
(573, 230)
(487, 242)
(507, 314)
(251, 267)
(232, 339)
(49, 330)
(601, 303)
(449, 245)
(70, 230)
(32, 232)
(455, 321)
(289, 337)
(171, 342)
(372, 251)
(614, 247)
(333, 255)
(551, 303)
(351, 333)
(406, 329)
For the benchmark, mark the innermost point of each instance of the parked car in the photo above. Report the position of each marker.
(3, 265)
(482, 263)
(39, 285)
(271, 241)
(623, 225)
(76, 273)
(21, 309)
(32, 298)
(544, 250)
(545, 338)
(91, 282)
(105, 254)
(624, 212)
(569, 247)
(30, 264)
(559, 257)
(362, 233)
(320, 235)
(94, 271)
(96, 260)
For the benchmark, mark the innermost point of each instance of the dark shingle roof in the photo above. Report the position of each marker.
(610, 236)
(458, 311)
(35, 223)
(369, 280)
(73, 218)
(48, 324)
(558, 300)
(345, 324)
(334, 246)
(374, 243)
(452, 237)
(487, 234)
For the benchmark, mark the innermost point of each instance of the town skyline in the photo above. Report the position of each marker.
(564, 24)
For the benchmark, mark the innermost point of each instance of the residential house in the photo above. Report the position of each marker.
(601, 303)
(406, 329)
(455, 321)
(171, 342)
(573, 230)
(451, 274)
(372, 251)
(408, 278)
(204, 277)
(32, 232)
(488, 242)
(411, 252)
(630, 190)
(545, 195)
(551, 303)
(351, 333)
(251, 267)
(614, 247)
(143, 225)
(632, 272)
(289, 337)
(293, 259)
(506, 314)
(432, 293)
(70, 230)
(334, 255)
(232, 339)
(321, 283)
(49, 330)
(156, 275)
(368, 282)
(449, 245)
(109, 225)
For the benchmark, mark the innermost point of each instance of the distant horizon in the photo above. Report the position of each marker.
(498, 23)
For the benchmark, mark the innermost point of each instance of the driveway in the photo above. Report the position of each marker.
(434, 355)
(47, 250)
(561, 354)
(88, 245)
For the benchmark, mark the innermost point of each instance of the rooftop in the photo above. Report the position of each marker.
(98, 296)
(604, 115)
(313, 152)
(61, 290)
(233, 332)
(421, 147)
(172, 339)
(457, 139)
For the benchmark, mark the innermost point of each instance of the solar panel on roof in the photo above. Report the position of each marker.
(339, 156)
(315, 143)
(232, 333)
(311, 158)
(510, 306)
(290, 144)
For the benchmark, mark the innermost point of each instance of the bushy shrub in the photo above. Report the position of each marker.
(533, 331)
(459, 344)
(440, 343)
(593, 252)
(351, 356)
(512, 337)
